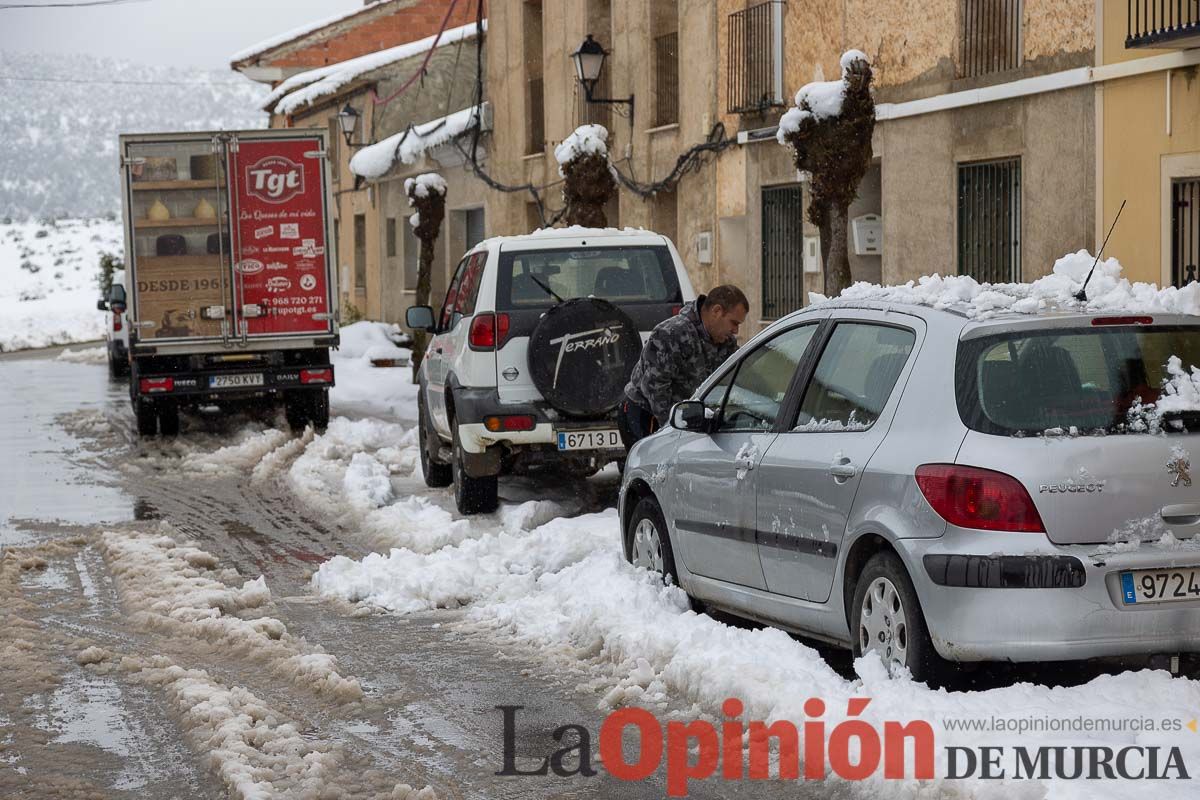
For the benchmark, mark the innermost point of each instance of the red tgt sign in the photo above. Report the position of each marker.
(274, 179)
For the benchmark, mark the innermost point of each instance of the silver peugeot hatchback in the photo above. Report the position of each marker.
(936, 488)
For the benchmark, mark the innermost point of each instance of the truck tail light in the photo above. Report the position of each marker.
(317, 375)
(116, 323)
(521, 422)
(488, 331)
(156, 385)
(971, 497)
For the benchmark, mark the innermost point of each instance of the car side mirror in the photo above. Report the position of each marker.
(419, 318)
(102, 305)
(689, 415)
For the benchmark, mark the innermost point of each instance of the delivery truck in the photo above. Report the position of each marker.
(231, 279)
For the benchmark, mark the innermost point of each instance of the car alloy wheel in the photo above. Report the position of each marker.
(647, 547)
(883, 626)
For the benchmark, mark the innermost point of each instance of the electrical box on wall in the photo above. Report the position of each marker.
(868, 235)
(812, 254)
(704, 247)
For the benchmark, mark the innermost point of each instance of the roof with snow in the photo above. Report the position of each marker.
(296, 33)
(305, 88)
(410, 144)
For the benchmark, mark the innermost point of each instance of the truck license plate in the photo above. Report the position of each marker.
(589, 440)
(1160, 585)
(233, 381)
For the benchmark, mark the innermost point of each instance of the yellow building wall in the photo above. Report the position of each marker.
(1138, 152)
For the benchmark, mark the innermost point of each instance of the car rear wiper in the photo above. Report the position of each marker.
(546, 288)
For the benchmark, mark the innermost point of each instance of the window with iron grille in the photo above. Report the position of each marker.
(1185, 230)
(782, 250)
(390, 238)
(535, 130)
(990, 36)
(754, 74)
(360, 251)
(666, 79)
(989, 220)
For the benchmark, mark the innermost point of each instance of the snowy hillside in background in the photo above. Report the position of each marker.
(58, 139)
(48, 281)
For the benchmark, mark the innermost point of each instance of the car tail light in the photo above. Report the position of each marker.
(488, 331)
(1123, 321)
(971, 497)
(317, 375)
(156, 385)
(116, 323)
(675, 310)
(522, 422)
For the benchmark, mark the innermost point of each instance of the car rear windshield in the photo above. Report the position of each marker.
(1082, 381)
(622, 275)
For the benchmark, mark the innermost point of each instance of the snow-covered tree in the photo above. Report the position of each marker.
(427, 194)
(589, 185)
(829, 130)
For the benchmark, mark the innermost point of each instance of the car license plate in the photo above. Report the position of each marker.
(589, 440)
(237, 380)
(1160, 585)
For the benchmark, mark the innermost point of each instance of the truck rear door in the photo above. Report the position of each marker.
(283, 259)
(176, 237)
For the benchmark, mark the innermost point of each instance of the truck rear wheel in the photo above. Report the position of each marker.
(168, 418)
(147, 417)
(472, 495)
(320, 409)
(307, 407)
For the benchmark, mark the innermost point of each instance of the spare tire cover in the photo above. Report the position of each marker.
(581, 354)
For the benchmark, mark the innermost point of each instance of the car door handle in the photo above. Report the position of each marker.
(437, 350)
(842, 470)
(744, 463)
(1183, 514)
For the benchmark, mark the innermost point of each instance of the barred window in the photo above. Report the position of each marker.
(990, 36)
(989, 220)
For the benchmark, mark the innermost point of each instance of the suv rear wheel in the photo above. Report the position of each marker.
(472, 495)
(887, 619)
(437, 474)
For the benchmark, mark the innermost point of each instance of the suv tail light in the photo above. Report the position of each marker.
(116, 323)
(156, 385)
(971, 497)
(488, 331)
(521, 422)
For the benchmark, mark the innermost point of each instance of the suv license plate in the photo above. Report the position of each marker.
(241, 379)
(589, 440)
(1160, 585)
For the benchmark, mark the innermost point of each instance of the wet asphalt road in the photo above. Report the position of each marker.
(431, 685)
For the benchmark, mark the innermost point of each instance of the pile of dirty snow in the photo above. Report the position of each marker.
(365, 390)
(1108, 292)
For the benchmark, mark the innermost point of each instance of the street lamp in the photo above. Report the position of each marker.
(589, 63)
(348, 121)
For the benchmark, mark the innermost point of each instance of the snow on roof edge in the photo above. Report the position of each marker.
(374, 161)
(329, 79)
(278, 39)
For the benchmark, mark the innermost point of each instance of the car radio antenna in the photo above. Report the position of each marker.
(1081, 295)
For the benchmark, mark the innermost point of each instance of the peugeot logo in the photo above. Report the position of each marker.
(1180, 469)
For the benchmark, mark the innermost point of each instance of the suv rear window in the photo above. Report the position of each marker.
(1086, 379)
(623, 275)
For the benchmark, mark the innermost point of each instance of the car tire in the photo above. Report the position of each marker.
(147, 417)
(648, 544)
(117, 368)
(901, 634)
(168, 418)
(472, 495)
(437, 474)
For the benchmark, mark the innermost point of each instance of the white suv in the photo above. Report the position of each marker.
(530, 353)
(116, 329)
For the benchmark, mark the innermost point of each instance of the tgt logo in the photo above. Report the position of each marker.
(274, 179)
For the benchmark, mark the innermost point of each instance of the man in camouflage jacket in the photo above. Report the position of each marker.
(681, 352)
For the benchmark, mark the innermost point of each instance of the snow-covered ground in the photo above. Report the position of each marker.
(547, 574)
(48, 281)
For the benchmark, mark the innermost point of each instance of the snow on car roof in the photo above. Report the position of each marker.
(1108, 292)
